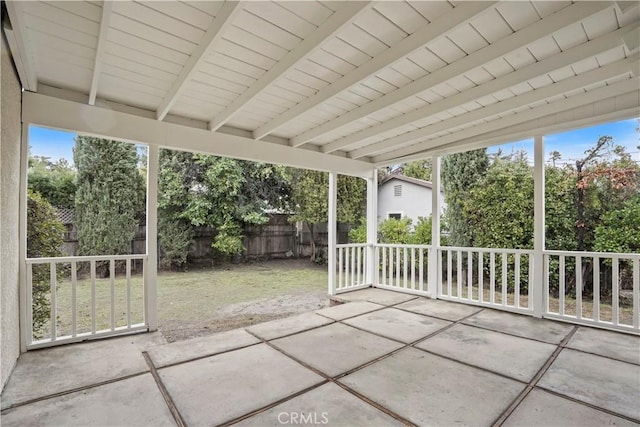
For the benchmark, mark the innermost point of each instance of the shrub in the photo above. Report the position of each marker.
(44, 239)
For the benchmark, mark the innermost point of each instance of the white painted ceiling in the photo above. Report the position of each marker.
(380, 82)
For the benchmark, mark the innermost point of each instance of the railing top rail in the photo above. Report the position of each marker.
(352, 245)
(595, 254)
(85, 258)
(495, 250)
(396, 245)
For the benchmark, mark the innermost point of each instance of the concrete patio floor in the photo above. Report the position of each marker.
(382, 359)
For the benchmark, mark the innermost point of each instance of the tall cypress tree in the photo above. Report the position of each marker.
(461, 172)
(109, 195)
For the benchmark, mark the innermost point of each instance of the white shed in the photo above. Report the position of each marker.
(401, 196)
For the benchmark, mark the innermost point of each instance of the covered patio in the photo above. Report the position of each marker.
(382, 359)
(469, 335)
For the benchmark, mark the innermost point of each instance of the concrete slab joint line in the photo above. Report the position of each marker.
(331, 380)
(503, 417)
(165, 393)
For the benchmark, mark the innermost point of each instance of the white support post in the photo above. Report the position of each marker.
(536, 289)
(432, 284)
(372, 228)
(26, 328)
(332, 230)
(151, 272)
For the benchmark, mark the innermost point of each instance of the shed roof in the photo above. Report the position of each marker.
(371, 83)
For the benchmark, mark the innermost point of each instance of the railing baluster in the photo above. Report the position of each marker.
(384, 265)
(615, 295)
(561, 291)
(112, 283)
(363, 267)
(469, 275)
(128, 293)
(438, 268)
(421, 270)
(530, 283)
(358, 262)
(636, 292)
(413, 268)
(398, 267)
(93, 296)
(53, 279)
(346, 267)
(480, 278)
(459, 275)
(504, 278)
(516, 281)
(390, 266)
(545, 281)
(596, 289)
(449, 272)
(579, 287)
(74, 299)
(353, 267)
(340, 268)
(492, 277)
(30, 302)
(405, 274)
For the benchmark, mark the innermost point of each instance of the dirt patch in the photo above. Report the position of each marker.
(241, 315)
(206, 301)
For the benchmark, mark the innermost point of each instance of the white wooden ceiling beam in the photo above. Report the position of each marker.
(566, 58)
(580, 117)
(223, 19)
(460, 15)
(597, 75)
(595, 95)
(15, 31)
(548, 25)
(343, 17)
(107, 7)
(52, 112)
(632, 40)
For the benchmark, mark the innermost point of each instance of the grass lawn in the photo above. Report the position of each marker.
(202, 301)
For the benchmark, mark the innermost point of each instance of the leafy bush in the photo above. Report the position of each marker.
(422, 231)
(359, 234)
(620, 229)
(396, 231)
(175, 238)
(44, 239)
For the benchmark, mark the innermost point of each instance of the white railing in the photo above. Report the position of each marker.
(497, 278)
(403, 267)
(82, 306)
(352, 264)
(593, 288)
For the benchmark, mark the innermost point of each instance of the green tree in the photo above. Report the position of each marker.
(44, 239)
(500, 209)
(619, 230)
(461, 173)
(420, 169)
(110, 195)
(54, 181)
(560, 208)
(310, 198)
(197, 190)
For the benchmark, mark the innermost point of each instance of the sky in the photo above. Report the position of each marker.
(573, 144)
(58, 144)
